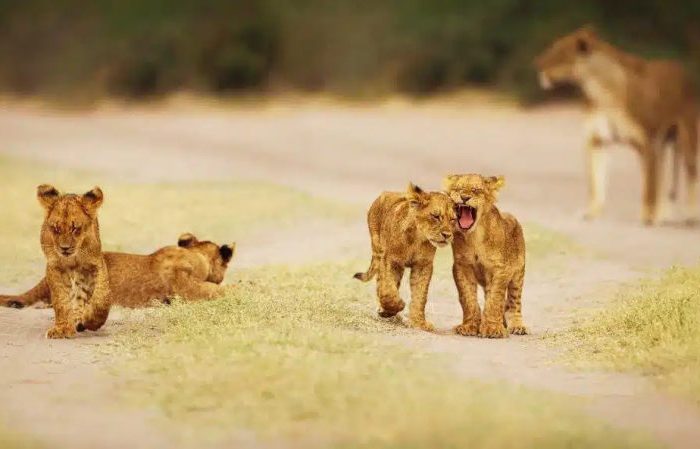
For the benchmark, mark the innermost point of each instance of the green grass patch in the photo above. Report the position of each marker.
(297, 354)
(654, 329)
(541, 242)
(143, 217)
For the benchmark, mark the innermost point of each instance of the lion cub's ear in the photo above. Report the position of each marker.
(416, 196)
(93, 199)
(187, 240)
(449, 181)
(495, 182)
(227, 252)
(47, 195)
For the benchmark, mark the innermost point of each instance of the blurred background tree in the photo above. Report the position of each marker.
(145, 48)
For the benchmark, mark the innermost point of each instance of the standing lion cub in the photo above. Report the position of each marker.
(489, 250)
(405, 229)
(76, 272)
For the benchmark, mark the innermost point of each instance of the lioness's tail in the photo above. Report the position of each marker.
(39, 292)
(370, 273)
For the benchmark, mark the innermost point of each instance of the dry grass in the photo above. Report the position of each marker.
(654, 329)
(12, 440)
(297, 355)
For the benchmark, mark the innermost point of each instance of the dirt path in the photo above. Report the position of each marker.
(352, 153)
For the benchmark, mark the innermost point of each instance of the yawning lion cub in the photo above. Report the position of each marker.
(489, 250)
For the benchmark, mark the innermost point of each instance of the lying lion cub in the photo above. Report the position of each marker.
(190, 270)
(489, 250)
(76, 272)
(405, 229)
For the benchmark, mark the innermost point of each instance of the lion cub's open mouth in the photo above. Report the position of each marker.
(466, 217)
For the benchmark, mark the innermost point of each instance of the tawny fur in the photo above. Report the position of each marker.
(190, 271)
(76, 272)
(405, 229)
(492, 254)
(647, 104)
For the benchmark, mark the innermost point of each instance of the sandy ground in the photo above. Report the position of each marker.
(352, 153)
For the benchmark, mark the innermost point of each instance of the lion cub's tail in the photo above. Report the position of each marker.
(39, 292)
(370, 273)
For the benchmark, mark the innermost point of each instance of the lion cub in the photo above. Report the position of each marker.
(405, 229)
(489, 250)
(76, 272)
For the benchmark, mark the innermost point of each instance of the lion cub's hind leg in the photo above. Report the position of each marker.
(420, 282)
(514, 315)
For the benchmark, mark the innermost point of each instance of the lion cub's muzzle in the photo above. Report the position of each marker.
(466, 216)
(442, 241)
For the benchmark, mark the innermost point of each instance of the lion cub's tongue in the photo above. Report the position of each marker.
(465, 218)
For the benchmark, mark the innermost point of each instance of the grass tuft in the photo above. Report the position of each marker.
(655, 329)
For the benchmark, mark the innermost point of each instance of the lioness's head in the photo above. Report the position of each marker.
(561, 62)
(473, 196)
(69, 219)
(434, 214)
(218, 256)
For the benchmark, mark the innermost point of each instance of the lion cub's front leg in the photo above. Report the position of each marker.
(494, 308)
(466, 288)
(65, 325)
(420, 282)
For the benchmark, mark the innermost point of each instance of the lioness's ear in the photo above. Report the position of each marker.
(585, 39)
(187, 240)
(47, 195)
(495, 182)
(415, 195)
(93, 199)
(227, 252)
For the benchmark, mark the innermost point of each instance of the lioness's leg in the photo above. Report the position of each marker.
(514, 315)
(667, 159)
(494, 307)
(466, 288)
(650, 171)
(390, 303)
(597, 164)
(420, 282)
(688, 142)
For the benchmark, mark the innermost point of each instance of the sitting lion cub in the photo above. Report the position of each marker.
(76, 272)
(489, 250)
(405, 229)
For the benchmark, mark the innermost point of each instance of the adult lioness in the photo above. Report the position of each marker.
(488, 250)
(405, 229)
(190, 270)
(76, 272)
(647, 104)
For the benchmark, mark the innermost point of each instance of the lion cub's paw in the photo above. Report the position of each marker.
(387, 309)
(489, 330)
(518, 329)
(63, 331)
(468, 329)
(422, 325)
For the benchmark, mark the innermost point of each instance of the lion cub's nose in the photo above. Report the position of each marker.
(446, 235)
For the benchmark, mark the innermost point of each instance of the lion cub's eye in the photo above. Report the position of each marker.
(435, 217)
(477, 191)
(76, 230)
(55, 229)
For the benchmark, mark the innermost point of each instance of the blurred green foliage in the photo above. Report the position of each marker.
(138, 48)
